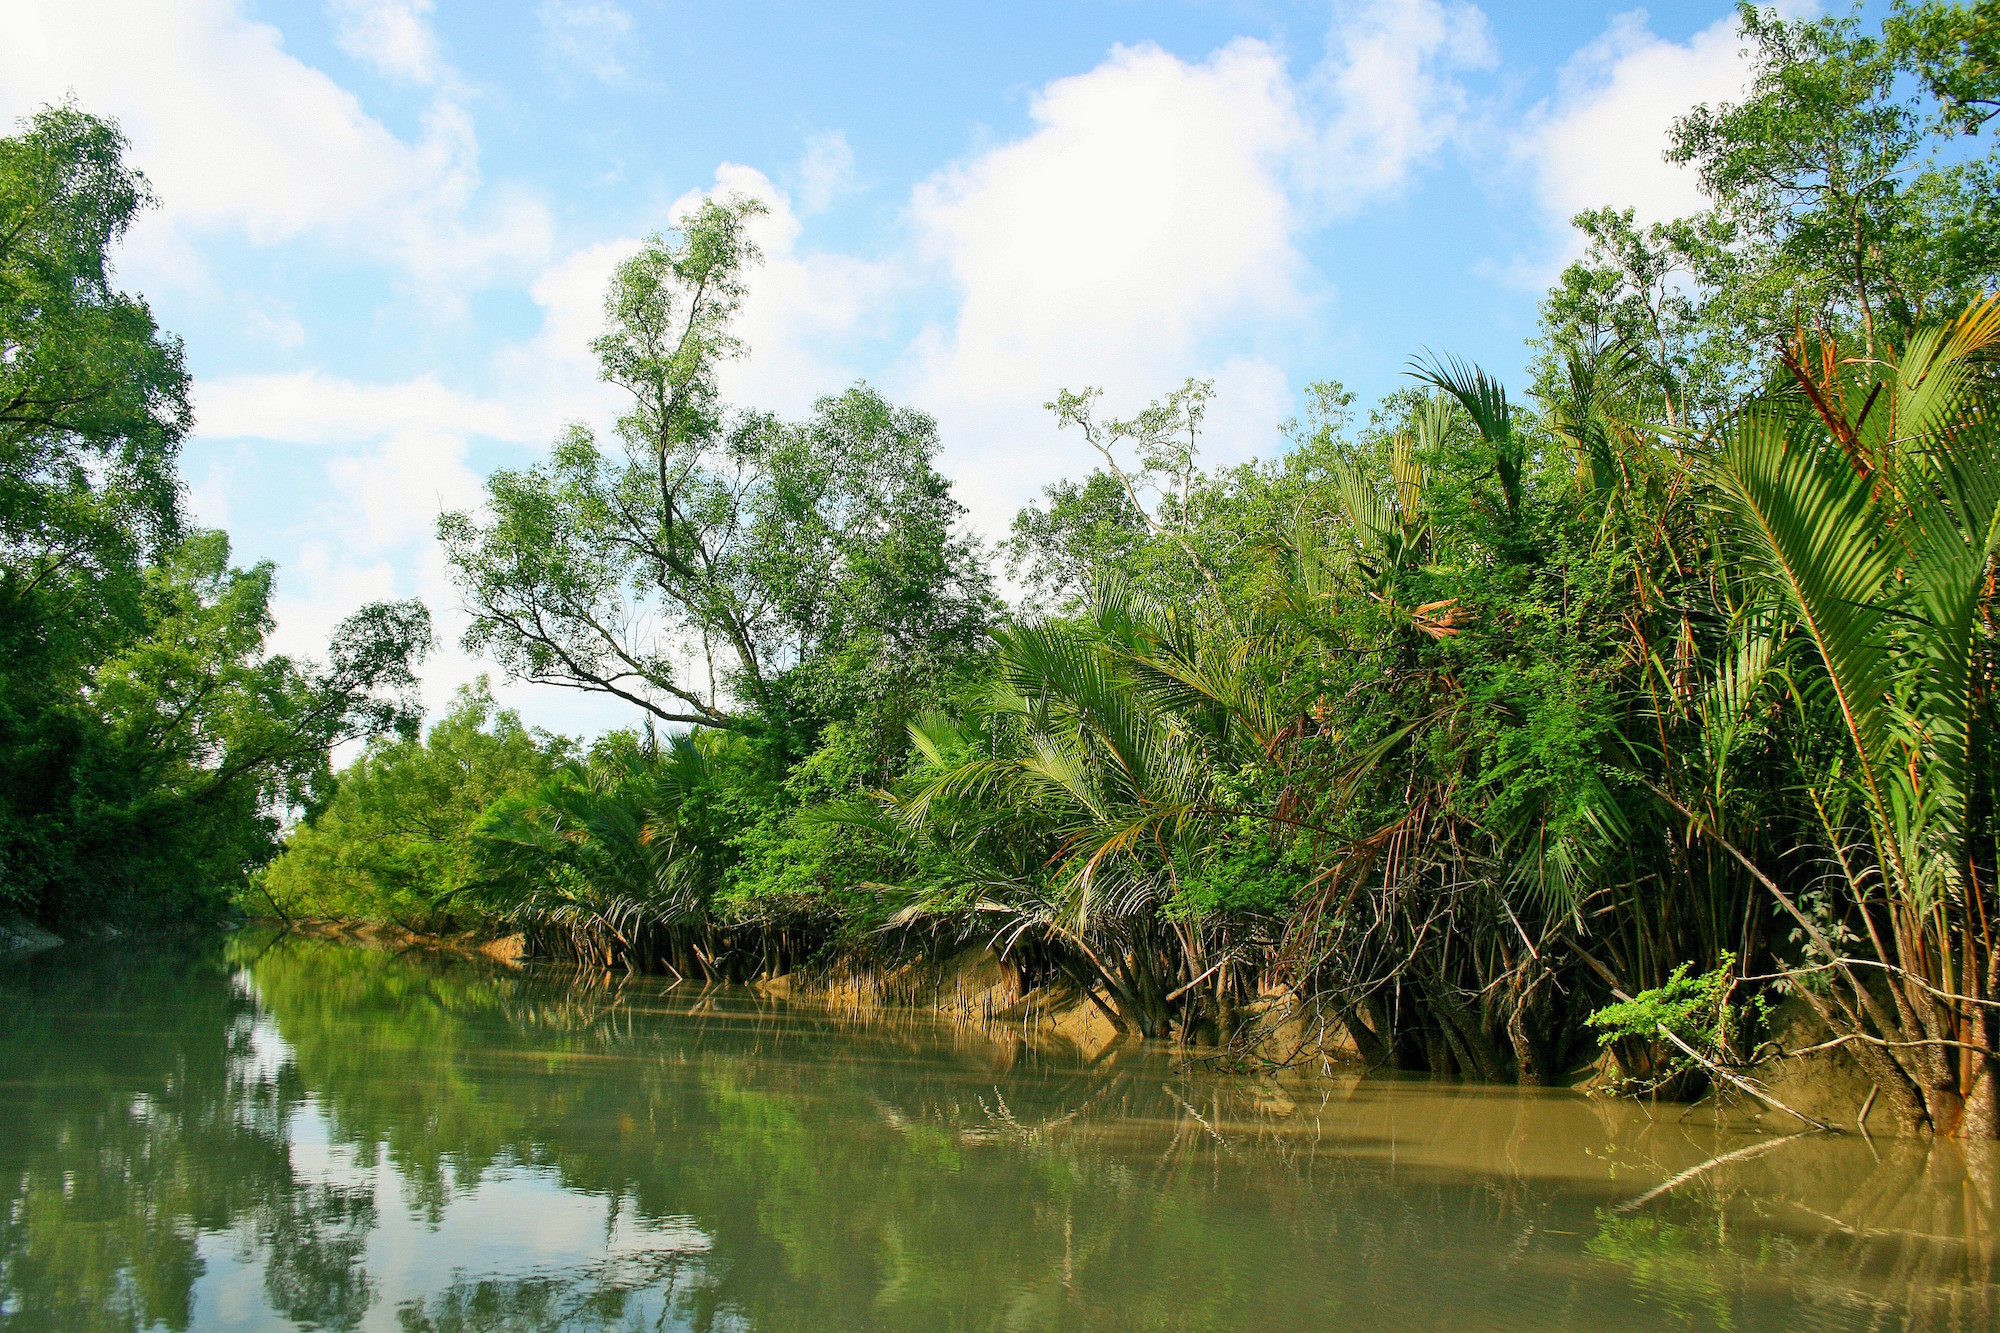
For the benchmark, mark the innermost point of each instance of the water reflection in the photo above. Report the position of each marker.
(303, 1133)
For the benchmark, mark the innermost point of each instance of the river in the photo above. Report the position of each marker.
(276, 1133)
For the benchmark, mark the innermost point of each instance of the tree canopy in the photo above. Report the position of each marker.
(150, 745)
(714, 552)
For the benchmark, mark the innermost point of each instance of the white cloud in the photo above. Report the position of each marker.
(1148, 229)
(311, 407)
(1151, 214)
(806, 317)
(1252, 396)
(825, 172)
(391, 458)
(1148, 205)
(594, 36)
(391, 494)
(1153, 210)
(241, 138)
(208, 499)
(1390, 99)
(1602, 140)
(394, 36)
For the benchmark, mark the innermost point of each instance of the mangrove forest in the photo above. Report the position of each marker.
(1490, 727)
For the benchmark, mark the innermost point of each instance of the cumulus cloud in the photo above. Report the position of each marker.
(1151, 208)
(323, 585)
(1148, 228)
(1390, 97)
(386, 459)
(808, 315)
(391, 494)
(594, 36)
(242, 138)
(1151, 214)
(1602, 139)
(1148, 202)
(551, 377)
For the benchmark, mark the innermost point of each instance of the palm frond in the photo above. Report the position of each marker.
(1485, 401)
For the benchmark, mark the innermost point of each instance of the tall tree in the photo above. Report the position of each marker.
(712, 553)
(1850, 192)
(94, 399)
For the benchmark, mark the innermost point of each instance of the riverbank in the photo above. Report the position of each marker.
(21, 938)
(503, 947)
(978, 989)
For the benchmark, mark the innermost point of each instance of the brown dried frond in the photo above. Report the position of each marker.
(1824, 391)
(1440, 620)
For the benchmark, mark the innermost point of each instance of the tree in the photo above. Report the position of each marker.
(1873, 529)
(1955, 48)
(1062, 551)
(1848, 194)
(1841, 206)
(1150, 514)
(162, 783)
(548, 578)
(715, 554)
(1634, 295)
(396, 838)
(149, 744)
(93, 398)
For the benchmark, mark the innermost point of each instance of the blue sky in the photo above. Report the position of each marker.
(386, 224)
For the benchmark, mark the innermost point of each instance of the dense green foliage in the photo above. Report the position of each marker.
(396, 838)
(149, 745)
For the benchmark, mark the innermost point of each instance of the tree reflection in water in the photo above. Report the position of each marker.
(310, 1133)
(140, 1118)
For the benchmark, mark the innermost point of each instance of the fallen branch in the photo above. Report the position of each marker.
(1741, 1154)
(1842, 1040)
(1736, 1081)
(1197, 981)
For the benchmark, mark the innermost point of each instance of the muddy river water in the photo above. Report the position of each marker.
(277, 1133)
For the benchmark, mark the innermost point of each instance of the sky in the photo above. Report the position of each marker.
(385, 226)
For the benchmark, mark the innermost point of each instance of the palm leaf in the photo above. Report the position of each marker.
(1485, 401)
(1812, 525)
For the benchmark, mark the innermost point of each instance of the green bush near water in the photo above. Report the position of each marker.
(396, 840)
